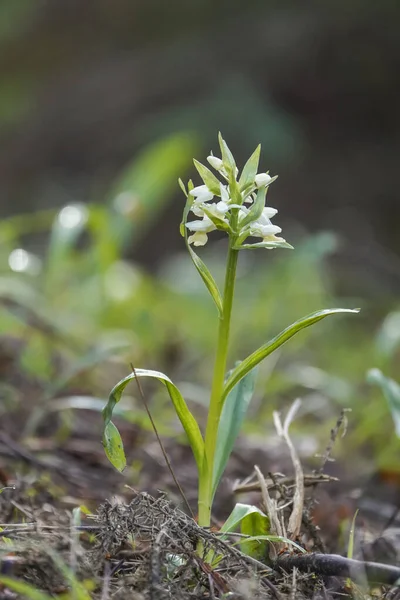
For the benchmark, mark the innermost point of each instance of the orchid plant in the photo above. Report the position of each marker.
(235, 205)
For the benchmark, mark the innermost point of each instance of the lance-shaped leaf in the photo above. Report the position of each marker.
(250, 169)
(391, 391)
(256, 357)
(256, 209)
(234, 190)
(233, 414)
(183, 187)
(218, 221)
(203, 271)
(267, 245)
(227, 156)
(113, 446)
(208, 177)
(188, 421)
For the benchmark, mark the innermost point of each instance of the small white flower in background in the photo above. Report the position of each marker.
(201, 229)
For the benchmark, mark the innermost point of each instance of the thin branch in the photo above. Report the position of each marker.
(296, 516)
(341, 422)
(269, 504)
(309, 480)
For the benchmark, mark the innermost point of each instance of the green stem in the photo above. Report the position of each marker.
(216, 404)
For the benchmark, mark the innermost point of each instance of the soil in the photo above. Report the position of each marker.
(131, 538)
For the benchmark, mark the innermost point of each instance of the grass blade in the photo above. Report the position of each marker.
(25, 589)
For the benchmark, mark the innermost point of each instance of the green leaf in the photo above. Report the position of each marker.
(270, 538)
(256, 357)
(182, 186)
(255, 524)
(234, 190)
(256, 209)
(208, 177)
(113, 446)
(188, 421)
(350, 549)
(218, 222)
(203, 271)
(250, 169)
(267, 245)
(207, 278)
(391, 391)
(227, 156)
(239, 512)
(233, 414)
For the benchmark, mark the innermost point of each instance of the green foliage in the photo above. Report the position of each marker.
(111, 438)
(113, 446)
(255, 525)
(83, 306)
(261, 353)
(240, 512)
(250, 170)
(232, 418)
(391, 391)
(25, 589)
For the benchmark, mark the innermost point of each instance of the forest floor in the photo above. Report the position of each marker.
(73, 527)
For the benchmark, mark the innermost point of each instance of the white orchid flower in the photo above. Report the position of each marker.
(213, 207)
(201, 194)
(263, 227)
(219, 209)
(201, 229)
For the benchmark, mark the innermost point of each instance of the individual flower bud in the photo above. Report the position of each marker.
(262, 179)
(215, 162)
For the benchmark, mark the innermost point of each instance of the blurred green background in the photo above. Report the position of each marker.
(103, 105)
